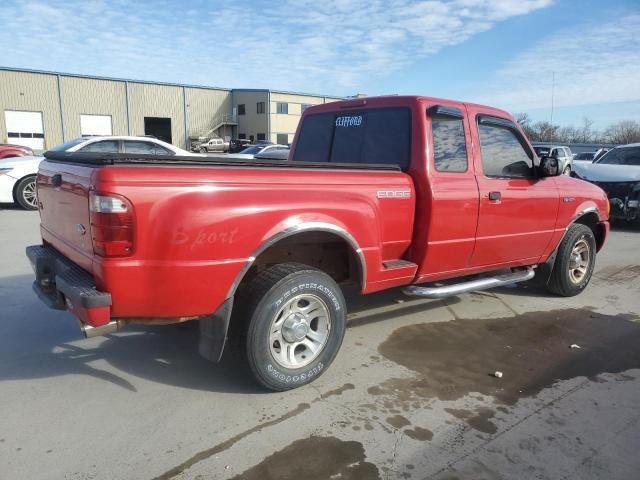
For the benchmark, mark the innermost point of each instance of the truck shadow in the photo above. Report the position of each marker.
(36, 342)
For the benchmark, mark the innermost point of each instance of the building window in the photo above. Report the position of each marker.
(25, 128)
(95, 125)
(282, 107)
(242, 136)
(262, 136)
(241, 109)
(282, 139)
(260, 106)
(304, 106)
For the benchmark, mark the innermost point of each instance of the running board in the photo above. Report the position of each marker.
(471, 286)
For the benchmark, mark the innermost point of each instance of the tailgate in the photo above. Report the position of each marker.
(63, 195)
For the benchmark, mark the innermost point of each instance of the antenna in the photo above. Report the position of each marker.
(553, 85)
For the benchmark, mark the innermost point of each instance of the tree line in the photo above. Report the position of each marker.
(625, 131)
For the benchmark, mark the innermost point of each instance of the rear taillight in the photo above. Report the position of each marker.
(111, 225)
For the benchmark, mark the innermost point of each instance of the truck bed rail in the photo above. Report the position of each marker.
(104, 159)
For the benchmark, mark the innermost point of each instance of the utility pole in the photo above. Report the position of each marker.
(553, 86)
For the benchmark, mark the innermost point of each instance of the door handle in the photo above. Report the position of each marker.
(494, 196)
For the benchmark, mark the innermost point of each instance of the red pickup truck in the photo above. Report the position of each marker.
(377, 192)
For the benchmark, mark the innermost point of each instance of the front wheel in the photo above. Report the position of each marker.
(567, 170)
(574, 263)
(296, 322)
(25, 193)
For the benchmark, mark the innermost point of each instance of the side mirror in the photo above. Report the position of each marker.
(549, 167)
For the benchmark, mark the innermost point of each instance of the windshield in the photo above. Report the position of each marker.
(621, 156)
(63, 147)
(253, 150)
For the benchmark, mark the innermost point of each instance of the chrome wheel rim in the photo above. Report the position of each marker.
(29, 194)
(579, 261)
(299, 331)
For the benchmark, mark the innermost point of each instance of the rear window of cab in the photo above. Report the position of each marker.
(366, 136)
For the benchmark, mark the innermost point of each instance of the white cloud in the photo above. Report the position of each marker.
(593, 63)
(332, 46)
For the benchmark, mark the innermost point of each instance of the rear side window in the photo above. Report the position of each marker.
(502, 153)
(375, 136)
(144, 148)
(449, 145)
(105, 146)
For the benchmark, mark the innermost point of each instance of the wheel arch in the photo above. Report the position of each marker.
(302, 234)
(592, 218)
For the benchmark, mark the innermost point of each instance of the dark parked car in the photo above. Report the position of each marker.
(585, 156)
(236, 146)
(8, 150)
(617, 172)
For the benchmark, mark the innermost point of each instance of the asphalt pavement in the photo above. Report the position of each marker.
(412, 394)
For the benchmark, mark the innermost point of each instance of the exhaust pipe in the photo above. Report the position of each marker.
(90, 332)
(471, 286)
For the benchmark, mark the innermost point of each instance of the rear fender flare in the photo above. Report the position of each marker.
(292, 227)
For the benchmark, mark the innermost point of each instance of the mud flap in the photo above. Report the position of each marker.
(213, 332)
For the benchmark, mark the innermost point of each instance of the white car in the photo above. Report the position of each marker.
(18, 181)
(252, 150)
(122, 144)
(18, 174)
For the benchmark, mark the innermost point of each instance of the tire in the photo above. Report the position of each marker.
(574, 263)
(567, 170)
(203, 150)
(296, 322)
(25, 193)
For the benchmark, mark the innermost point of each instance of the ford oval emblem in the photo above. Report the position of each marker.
(81, 229)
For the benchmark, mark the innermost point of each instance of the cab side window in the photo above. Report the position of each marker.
(449, 145)
(503, 155)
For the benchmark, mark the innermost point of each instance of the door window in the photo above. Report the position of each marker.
(503, 155)
(449, 145)
(104, 146)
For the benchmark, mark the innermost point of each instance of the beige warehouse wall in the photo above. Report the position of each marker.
(33, 92)
(288, 123)
(204, 108)
(88, 96)
(148, 100)
(252, 122)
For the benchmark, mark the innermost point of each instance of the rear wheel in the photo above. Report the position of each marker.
(567, 170)
(25, 193)
(575, 262)
(296, 322)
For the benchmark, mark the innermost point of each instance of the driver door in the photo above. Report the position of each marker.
(518, 210)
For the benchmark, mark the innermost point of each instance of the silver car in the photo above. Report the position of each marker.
(561, 153)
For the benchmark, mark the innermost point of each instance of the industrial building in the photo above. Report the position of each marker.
(43, 109)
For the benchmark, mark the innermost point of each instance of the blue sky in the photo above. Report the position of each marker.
(499, 52)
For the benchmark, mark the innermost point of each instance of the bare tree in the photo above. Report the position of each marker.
(626, 131)
(586, 131)
(524, 120)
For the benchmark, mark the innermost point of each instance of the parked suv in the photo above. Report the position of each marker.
(561, 153)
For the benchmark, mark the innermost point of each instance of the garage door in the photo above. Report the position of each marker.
(95, 125)
(25, 128)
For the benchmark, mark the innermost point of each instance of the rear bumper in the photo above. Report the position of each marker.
(63, 285)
